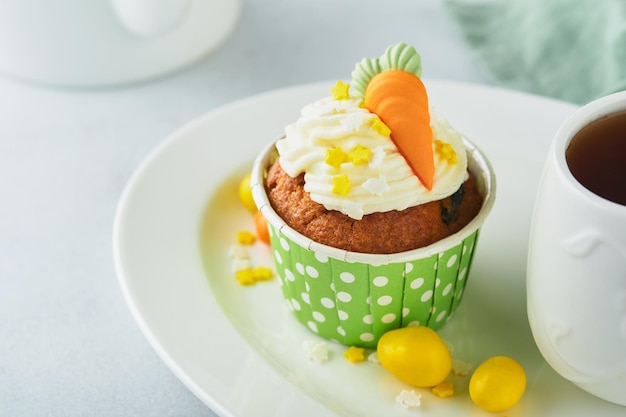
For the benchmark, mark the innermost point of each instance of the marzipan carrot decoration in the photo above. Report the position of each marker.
(399, 99)
(391, 87)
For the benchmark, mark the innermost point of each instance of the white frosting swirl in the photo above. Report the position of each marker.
(384, 183)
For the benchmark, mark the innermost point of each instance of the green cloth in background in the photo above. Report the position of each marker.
(573, 50)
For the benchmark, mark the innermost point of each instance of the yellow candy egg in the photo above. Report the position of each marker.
(245, 194)
(415, 355)
(497, 384)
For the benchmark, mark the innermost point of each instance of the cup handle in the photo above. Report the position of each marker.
(150, 18)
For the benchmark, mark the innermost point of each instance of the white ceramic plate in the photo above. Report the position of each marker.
(239, 349)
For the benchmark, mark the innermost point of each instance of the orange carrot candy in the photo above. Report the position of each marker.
(391, 87)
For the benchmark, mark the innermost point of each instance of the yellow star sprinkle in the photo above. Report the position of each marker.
(262, 273)
(446, 152)
(245, 276)
(249, 276)
(341, 184)
(354, 354)
(340, 91)
(443, 390)
(245, 238)
(360, 155)
(335, 157)
(380, 127)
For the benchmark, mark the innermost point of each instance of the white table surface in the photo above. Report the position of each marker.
(68, 343)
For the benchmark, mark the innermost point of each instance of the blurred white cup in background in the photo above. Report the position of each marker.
(93, 43)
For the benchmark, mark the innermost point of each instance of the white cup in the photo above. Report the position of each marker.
(97, 43)
(576, 278)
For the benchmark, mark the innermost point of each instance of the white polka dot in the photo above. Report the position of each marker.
(300, 268)
(270, 231)
(341, 331)
(432, 309)
(426, 296)
(284, 244)
(296, 304)
(462, 274)
(347, 277)
(289, 305)
(279, 259)
(447, 289)
(464, 249)
(332, 286)
(458, 293)
(385, 300)
(319, 316)
(408, 267)
(307, 286)
(368, 300)
(437, 283)
(380, 281)
(451, 261)
(388, 318)
(342, 315)
(441, 316)
(416, 283)
(344, 296)
(321, 257)
(312, 272)
(368, 319)
(327, 302)
(289, 275)
(436, 265)
(366, 337)
(312, 326)
(414, 323)
(405, 311)
(305, 297)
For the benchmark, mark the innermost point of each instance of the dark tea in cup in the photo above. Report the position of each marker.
(596, 157)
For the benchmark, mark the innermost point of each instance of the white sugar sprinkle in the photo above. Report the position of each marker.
(409, 399)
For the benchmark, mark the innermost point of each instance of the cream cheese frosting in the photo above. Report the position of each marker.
(350, 163)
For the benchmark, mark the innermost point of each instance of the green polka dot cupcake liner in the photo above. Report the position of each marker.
(354, 298)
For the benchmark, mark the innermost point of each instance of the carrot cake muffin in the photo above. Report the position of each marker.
(373, 205)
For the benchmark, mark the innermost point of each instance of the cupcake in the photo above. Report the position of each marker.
(374, 205)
